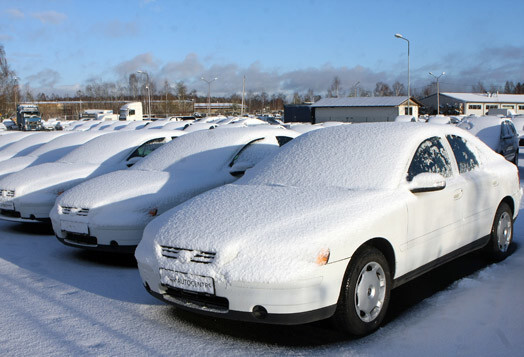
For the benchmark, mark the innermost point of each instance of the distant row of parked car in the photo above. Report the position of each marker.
(264, 224)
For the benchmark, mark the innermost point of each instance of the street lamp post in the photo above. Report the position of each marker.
(148, 93)
(243, 92)
(438, 89)
(16, 92)
(209, 93)
(356, 88)
(397, 35)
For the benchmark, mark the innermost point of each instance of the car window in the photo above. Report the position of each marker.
(430, 157)
(282, 140)
(245, 151)
(466, 159)
(147, 148)
(511, 128)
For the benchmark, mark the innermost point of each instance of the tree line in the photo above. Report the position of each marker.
(136, 88)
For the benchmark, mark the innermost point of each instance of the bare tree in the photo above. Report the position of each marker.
(334, 90)
(382, 90)
(398, 89)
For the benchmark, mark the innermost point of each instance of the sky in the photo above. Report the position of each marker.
(284, 46)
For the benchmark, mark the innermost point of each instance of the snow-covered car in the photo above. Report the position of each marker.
(498, 133)
(48, 152)
(439, 119)
(518, 121)
(29, 194)
(9, 137)
(331, 223)
(28, 144)
(111, 211)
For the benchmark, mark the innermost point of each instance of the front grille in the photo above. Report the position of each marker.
(10, 213)
(7, 193)
(196, 255)
(198, 300)
(75, 211)
(83, 239)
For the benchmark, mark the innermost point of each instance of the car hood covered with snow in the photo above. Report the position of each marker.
(54, 175)
(124, 198)
(259, 232)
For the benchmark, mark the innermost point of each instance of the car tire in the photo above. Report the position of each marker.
(501, 233)
(365, 293)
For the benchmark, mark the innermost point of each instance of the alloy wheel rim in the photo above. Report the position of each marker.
(504, 232)
(370, 292)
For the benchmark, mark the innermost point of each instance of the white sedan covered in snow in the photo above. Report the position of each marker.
(111, 211)
(329, 225)
(49, 152)
(28, 144)
(28, 195)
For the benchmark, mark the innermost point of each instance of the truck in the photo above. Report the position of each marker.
(131, 111)
(90, 114)
(28, 117)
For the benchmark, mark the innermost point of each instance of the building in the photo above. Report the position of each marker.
(363, 109)
(301, 113)
(474, 103)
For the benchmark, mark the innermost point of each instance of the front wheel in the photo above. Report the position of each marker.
(501, 233)
(365, 293)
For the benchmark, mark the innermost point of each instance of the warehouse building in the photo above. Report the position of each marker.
(363, 109)
(474, 103)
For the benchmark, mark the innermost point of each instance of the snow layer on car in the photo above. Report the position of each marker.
(357, 156)
(486, 128)
(320, 181)
(113, 146)
(179, 154)
(49, 152)
(27, 145)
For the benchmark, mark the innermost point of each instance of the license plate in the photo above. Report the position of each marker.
(75, 227)
(7, 205)
(196, 283)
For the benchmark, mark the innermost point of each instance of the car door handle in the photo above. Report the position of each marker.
(457, 195)
(494, 183)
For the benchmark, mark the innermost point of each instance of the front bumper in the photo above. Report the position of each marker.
(112, 239)
(294, 302)
(25, 213)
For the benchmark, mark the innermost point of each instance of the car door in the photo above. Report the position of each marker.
(481, 191)
(434, 218)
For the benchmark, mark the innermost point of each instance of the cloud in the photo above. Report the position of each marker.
(50, 17)
(15, 13)
(46, 78)
(117, 28)
(143, 62)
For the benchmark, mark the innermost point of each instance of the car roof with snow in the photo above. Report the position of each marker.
(114, 146)
(214, 143)
(28, 144)
(357, 156)
(486, 128)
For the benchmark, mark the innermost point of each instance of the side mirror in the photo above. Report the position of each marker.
(133, 161)
(427, 182)
(239, 168)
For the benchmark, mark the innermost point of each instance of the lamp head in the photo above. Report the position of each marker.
(397, 35)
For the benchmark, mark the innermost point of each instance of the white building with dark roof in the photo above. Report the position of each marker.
(363, 109)
(474, 103)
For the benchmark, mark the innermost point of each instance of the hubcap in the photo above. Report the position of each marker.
(504, 232)
(370, 291)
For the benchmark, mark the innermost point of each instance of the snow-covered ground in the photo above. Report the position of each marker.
(56, 300)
